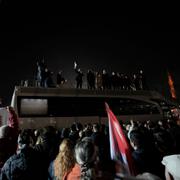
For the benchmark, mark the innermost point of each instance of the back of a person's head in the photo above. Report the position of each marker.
(79, 126)
(85, 153)
(73, 127)
(137, 138)
(50, 129)
(65, 133)
(48, 134)
(24, 138)
(65, 160)
(96, 127)
(10, 109)
(164, 141)
(65, 145)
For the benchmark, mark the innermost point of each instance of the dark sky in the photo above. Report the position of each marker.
(124, 43)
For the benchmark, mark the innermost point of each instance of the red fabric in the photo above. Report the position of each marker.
(14, 124)
(13, 120)
(171, 86)
(74, 174)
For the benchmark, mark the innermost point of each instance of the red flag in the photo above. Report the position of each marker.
(171, 86)
(119, 146)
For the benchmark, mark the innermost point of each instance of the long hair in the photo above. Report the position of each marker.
(65, 160)
(85, 153)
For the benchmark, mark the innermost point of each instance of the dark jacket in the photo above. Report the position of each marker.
(22, 166)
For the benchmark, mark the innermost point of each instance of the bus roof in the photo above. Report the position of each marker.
(72, 92)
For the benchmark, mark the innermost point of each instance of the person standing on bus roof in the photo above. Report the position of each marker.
(142, 80)
(40, 73)
(60, 79)
(105, 79)
(90, 79)
(79, 77)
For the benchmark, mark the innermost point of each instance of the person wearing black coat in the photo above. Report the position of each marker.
(24, 165)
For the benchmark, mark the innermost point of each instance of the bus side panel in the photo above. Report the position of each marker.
(61, 122)
(4, 115)
(142, 118)
(58, 122)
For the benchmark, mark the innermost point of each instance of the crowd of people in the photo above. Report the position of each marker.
(113, 81)
(91, 80)
(82, 151)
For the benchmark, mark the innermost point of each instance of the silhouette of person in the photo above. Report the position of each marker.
(60, 79)
(90, 79)
(79, 77)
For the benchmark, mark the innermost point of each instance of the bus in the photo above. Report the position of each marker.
(60, 107)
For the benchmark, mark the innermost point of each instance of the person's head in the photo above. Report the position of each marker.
(65, 145)
(81, 133)
(136, 139)
(65, 160)
(10, 109)
(73, 127)
(104, 71)
(79, 126)
(36, 132)
(85, 153)
(164, 142)
(96, 127)
(24, 140)
(141, 71)
(127, 127)
(65, 133)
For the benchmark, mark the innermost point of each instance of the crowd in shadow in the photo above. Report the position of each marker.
(83, 151)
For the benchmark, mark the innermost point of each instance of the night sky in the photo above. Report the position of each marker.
(124, 43)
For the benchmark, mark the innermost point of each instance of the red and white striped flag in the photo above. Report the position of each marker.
(119, 146)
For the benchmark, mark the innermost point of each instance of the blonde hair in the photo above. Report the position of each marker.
(65, 160)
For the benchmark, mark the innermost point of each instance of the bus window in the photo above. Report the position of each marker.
(132, 106)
